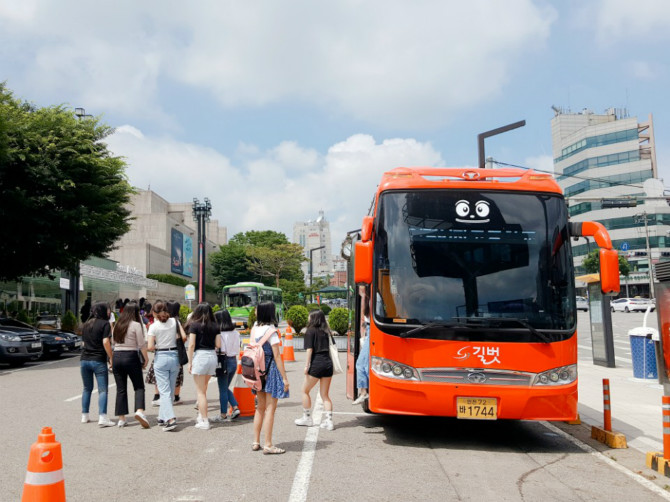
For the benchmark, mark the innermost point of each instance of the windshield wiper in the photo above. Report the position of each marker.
(418, 329)
(522, 322)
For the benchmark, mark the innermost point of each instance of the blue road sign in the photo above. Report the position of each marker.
(624, 246)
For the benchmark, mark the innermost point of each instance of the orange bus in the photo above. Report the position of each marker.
(472, 298)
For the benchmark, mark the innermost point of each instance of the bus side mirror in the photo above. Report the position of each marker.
(609, 272)
(363, 262)
(366, 229)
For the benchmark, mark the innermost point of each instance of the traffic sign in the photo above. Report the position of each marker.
(624, 246)
(189, 292)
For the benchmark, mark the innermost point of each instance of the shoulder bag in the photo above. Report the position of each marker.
(334, 356)
(181, 348)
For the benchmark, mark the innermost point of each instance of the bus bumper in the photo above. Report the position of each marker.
(391, 396)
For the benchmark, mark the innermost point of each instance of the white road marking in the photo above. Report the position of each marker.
(34, 366)
(588, 449)
(617, 358)
(304, 471)
(94, 391)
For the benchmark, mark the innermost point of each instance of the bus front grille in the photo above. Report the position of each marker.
(476, 376)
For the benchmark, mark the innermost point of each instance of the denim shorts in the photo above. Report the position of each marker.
(204, 362)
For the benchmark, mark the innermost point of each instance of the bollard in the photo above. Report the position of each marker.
(657, 460)
(604, 434)
(607, 409)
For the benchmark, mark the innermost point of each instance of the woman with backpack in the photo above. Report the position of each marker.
(230, 346)
(318, 369)
(275, 383)
(204, 339)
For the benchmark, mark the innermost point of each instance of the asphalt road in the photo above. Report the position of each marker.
(367, 457)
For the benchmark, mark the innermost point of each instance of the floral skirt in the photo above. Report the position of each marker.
(274, 384)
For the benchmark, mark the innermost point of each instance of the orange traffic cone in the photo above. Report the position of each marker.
(288, 354)
(242, 392)
(44, 476)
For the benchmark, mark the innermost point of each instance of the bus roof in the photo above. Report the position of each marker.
(468, 178)
(253, 284)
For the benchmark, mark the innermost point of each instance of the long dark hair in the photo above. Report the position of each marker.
(317, 320)
(224, 320)
(203, 315)
(266, 314)
(130, 313)
(99, 310)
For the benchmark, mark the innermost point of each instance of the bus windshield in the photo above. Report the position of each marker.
(241, 297)
(473, 258)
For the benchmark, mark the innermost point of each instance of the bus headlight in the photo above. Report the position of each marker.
(557, 376)
(391, 369)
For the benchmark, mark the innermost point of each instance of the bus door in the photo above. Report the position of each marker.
(353, 345)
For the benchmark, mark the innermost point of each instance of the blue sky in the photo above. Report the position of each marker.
(276, 110)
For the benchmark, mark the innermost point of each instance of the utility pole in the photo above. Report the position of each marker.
(201, 213)
(643, 218)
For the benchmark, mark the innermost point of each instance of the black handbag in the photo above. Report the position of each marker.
(141, 356)
(181, 350)
(222, 367)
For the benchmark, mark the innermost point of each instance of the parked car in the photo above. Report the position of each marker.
(631, 305)
(582, 304)
(56, 341)
(48, 320)
(19, 342)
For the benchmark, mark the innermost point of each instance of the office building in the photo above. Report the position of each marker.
(601, 160)
(311, 235)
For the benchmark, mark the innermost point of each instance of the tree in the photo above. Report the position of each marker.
(62, 192)
(275, 262)
(259, 238)
(229, 265)
(591, 263)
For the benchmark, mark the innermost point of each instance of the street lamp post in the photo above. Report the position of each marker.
(311, 251)
(201, 214)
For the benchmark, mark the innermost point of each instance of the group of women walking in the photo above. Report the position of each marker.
(213, 344)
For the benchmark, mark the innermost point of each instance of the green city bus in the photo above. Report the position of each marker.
(240, 298)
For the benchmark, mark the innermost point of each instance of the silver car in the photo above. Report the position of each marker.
(582, 304)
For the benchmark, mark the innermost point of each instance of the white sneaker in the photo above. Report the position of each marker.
(121, 423)
(204, 425)
(360, 399)
(103, 421)
(305, 421)
(142, 419)
(218, 419)
(327, 423)
(235, 414)
(84, 418)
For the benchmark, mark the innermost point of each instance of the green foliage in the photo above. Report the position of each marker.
(216, 308)
(229, 265)
(591, 264)
(313, 306)
(260, 256)
(58, 179)
(274, 262)
(68, 322)
(325, 308)
(23, 316)
(298, 316)
(184, 311)
(252, 318)
(291, 291)
(338, 320)
(169, 279)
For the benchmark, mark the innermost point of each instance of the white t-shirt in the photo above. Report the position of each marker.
(230, 342)
(165, 333)
(258, 332)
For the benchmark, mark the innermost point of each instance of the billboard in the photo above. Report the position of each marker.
(181, 257)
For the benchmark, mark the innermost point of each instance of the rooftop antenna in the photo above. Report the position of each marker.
(493, 132)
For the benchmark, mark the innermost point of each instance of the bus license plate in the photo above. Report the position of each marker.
(477, 408)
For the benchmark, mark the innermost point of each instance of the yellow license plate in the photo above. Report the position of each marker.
(477, 408)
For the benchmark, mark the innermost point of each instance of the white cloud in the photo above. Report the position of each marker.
(386, 62)
(542, 163)
(265, 193)
(632, 22)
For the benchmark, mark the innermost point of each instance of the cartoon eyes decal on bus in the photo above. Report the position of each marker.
(467, 215)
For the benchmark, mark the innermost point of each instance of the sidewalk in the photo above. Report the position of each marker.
(635, 404)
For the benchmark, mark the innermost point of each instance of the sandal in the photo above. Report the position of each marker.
(273, 450)
(255, 446)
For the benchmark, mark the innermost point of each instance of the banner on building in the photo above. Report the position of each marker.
(181, 261)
